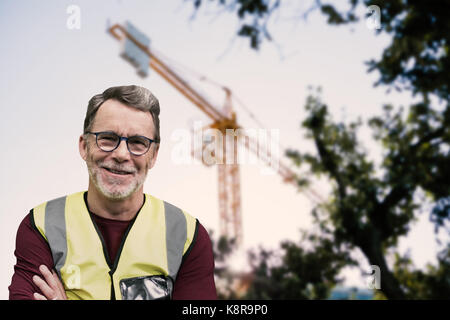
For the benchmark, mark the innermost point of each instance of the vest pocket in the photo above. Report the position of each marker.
(146, 288)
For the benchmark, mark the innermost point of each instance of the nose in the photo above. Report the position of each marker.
(121, 154)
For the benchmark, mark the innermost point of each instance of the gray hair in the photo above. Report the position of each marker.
(131, 96)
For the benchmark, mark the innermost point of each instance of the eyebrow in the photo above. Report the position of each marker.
(130, 135)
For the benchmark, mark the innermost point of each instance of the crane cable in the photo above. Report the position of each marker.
(311, 194)
(204, 78)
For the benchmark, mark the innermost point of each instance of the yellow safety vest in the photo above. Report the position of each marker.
(146, 264)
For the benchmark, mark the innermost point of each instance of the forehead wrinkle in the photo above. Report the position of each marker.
(119, 129)
(112, 114)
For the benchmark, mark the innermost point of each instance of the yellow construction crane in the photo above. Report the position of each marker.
(137, 51)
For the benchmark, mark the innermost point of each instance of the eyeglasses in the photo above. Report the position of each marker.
(108, 141)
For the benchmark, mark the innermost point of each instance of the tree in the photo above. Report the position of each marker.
(258, 12)
(372, 206)
(417, 59)
(371, 212)
(223, 247)
(299, 272)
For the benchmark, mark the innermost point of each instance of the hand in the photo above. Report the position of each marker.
(52, 287)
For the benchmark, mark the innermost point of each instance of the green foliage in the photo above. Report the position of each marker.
(370, 211)
(253, 15)
(336, 18)
(298, 273)
(432, 284)
(222, 249)
(371, 206)
(417, 59)
(367, 210)
(417, 153)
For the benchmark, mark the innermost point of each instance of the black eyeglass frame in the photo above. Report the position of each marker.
(120, 140)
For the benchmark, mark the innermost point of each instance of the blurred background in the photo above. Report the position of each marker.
(355, 94)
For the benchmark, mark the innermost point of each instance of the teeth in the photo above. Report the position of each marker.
(118, 172)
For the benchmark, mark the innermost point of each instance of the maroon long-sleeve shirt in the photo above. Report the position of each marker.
(195, 279)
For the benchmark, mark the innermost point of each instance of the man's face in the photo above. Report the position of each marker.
(126, 122)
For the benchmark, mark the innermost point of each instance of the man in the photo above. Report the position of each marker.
(114, 241)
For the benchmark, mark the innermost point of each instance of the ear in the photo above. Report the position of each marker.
(82, 146)
(155, 155)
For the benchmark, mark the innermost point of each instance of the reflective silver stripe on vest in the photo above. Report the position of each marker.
(55, 231)
(176, 235)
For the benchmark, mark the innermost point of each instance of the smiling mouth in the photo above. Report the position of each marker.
(116, 171)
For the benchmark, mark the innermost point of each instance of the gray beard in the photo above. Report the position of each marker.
(122, 194)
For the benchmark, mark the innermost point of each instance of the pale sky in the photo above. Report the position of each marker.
(48, 74)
